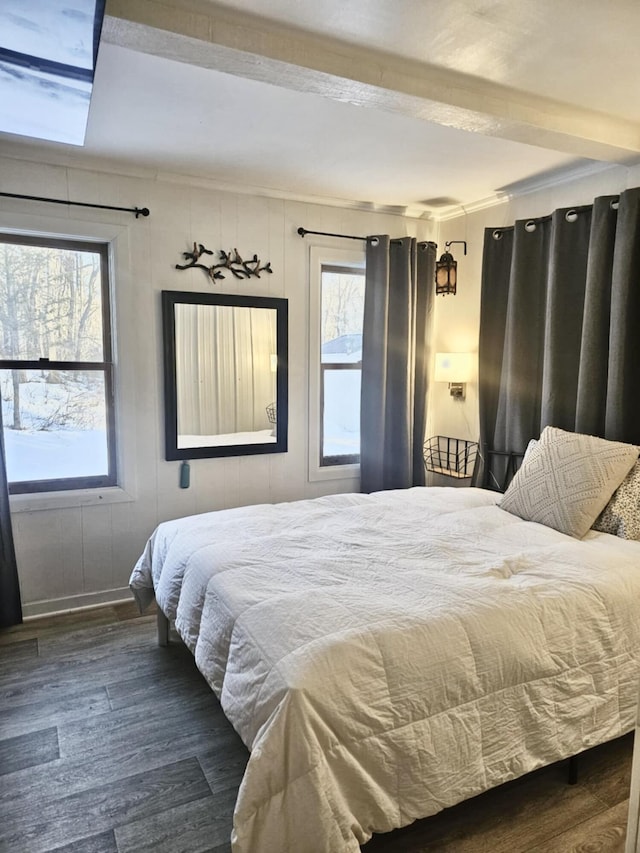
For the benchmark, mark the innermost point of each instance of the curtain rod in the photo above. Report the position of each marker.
(139, 211)
(303, 233)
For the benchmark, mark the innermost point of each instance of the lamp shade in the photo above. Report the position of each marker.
(453, 366)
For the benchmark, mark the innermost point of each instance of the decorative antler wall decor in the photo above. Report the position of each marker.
(239, 267)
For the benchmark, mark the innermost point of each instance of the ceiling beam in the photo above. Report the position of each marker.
(201, 33)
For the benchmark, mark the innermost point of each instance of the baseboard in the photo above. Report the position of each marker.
(76, 602)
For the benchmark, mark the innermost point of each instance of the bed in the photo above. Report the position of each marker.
(386, 656)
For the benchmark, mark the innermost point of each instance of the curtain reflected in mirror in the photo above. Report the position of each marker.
(225, 374)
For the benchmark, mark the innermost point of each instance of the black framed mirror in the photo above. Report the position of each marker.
(225, 374)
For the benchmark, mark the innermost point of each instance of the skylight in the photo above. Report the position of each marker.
(48, 51)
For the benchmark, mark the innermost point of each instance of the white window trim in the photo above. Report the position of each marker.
(117, 236)
(319, 255)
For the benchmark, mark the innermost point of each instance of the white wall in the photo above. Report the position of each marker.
(76, 550)
(79, 550)
(457, 318)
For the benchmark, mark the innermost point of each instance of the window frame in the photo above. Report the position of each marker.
(106, 367)
(346, 260)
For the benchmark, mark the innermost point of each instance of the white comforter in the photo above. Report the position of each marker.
(385, 656)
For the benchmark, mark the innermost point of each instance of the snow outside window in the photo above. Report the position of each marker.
(340, 364)
(55, 364)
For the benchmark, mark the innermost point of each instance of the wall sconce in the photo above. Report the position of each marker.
(454, 368)
(447, 270)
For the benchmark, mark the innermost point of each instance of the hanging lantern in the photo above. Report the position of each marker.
(446, 274)
(447, 270)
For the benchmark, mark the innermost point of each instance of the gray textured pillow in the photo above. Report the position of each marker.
(621, 516)
(567, 479)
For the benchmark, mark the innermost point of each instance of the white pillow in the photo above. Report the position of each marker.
(621, 516)
(567, 479)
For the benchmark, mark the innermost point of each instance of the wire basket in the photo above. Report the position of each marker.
(271, 413)
(451, 457)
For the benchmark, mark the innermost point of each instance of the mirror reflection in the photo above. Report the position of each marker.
(225, 374)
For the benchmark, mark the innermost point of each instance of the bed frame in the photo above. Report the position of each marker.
(163, 628)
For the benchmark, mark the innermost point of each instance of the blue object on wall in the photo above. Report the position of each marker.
(185, 475)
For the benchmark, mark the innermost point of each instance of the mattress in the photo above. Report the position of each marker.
(386, 656)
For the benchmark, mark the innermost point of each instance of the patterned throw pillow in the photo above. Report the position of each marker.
(567, 479)
(621, 516)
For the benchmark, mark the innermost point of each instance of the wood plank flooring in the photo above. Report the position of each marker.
(110, 744)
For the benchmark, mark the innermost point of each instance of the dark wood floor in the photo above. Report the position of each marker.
(109, 744)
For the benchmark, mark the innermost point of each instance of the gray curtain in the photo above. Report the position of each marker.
(399, 287)
(559, 321)
(10, 607)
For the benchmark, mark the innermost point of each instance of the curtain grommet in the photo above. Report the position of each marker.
(530, 226)
(497, 234)
(571, 215)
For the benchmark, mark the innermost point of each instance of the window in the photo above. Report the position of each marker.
(335, 339)
(56, 381)
(342, 296)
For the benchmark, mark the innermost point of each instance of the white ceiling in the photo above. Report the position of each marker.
(583, 52)
(415, 105)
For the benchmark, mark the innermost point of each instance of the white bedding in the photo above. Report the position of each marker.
(260, 436)
(385, 656)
